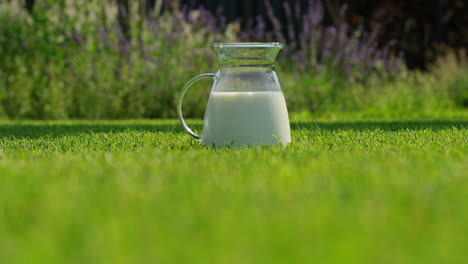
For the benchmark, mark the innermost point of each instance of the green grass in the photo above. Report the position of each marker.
(347, 190)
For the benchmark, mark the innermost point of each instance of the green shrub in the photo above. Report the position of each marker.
(71, 60)
(452, 69)
(55, 71)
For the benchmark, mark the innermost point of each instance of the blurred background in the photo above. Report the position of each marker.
(99, 59)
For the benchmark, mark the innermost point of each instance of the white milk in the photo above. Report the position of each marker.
(246, 118)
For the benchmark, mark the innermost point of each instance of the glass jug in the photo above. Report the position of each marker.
(246, 105)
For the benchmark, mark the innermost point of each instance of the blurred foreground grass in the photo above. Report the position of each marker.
(352, 190)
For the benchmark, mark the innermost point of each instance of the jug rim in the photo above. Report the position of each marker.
(248, 45)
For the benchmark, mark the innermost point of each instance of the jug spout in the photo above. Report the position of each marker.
(247, 54)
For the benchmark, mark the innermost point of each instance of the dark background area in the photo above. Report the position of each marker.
(423, 29)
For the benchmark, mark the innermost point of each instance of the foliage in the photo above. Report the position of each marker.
(314, 46)
(350, 190)
(420, 27)
(72, 59)
(80, 65)
(411, 92)
(453, 69)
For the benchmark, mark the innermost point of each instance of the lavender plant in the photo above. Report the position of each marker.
(88, 67)
(313, 46)
(146, 70)
(73, 59)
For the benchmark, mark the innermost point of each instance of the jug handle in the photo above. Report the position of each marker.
(182, 94)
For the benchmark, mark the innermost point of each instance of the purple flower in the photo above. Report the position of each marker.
(315, 12)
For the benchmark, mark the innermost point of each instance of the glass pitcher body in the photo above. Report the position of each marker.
(246, 105)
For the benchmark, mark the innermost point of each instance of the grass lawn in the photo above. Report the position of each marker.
(347, 190)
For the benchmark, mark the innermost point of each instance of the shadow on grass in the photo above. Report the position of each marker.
(36, 130)
(60, 130)
(385, 126)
